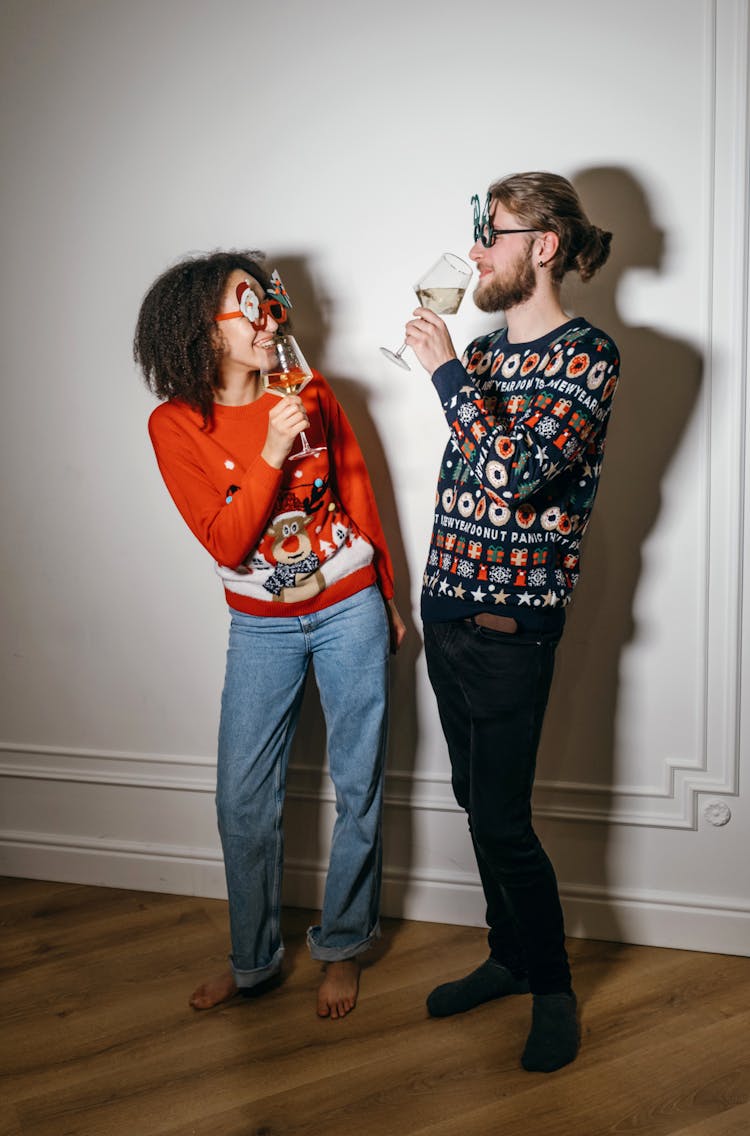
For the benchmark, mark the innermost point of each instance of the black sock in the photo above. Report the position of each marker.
(553, 1041)
(488, 981)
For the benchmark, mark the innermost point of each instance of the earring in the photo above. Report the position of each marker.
(541, 264)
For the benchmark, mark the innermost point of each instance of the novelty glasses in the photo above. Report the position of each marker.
(483, 230)
(275, 303)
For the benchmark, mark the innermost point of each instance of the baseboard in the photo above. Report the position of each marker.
(118, 865)
(658, 920)
(648, 918)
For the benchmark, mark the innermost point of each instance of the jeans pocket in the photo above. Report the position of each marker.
(502, 672)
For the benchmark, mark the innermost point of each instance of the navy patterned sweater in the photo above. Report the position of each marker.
(520, 471)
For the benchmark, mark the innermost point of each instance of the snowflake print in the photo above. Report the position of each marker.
(548, 427)
(500, 575)
(467, 412)
(528, 426)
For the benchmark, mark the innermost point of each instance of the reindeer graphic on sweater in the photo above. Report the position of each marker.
(296, 575)
(308, 545)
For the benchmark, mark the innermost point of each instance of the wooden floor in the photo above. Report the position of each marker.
(98, 1039)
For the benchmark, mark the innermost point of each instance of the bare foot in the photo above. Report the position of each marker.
(337, 994)
(218, 989)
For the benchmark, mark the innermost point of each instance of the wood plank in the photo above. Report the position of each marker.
(9, 1122)
(732, 1122)
(99, 1039)
(654, 1091)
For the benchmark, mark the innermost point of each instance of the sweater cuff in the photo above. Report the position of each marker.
(386, 589)
(448, 379)
(261, 473)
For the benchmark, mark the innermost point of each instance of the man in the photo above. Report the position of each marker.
(527, 408)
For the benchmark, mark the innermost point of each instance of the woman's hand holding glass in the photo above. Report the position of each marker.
(287, 419)
(285, 373)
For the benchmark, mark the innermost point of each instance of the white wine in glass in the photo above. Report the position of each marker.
(441, 289)
(287, 373)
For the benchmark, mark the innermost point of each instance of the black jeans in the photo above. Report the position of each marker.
(491, 690)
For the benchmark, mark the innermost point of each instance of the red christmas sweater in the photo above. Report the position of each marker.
(286, 541)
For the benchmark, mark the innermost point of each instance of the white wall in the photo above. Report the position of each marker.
(347, 144)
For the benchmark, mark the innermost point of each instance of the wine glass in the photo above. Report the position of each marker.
(285, 373)
(441, 289)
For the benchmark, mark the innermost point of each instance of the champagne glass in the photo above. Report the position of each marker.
(441, 289)
(286, 373)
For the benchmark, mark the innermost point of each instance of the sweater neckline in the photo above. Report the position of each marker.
(548, 337)
(246, 410)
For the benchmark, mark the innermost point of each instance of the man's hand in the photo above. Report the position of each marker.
(428, 338)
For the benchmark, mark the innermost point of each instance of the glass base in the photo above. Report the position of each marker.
(394, 358)
(310, 452)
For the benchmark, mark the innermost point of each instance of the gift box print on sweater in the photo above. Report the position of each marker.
(521, 470)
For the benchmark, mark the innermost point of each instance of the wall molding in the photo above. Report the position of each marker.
(172, 773)
(419, 791)
(655, 918)
(431, 791)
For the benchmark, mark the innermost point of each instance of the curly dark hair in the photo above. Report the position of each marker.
(176, 343)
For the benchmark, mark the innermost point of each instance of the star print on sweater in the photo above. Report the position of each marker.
(520, 471)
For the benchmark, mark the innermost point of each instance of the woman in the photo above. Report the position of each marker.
(305, 567)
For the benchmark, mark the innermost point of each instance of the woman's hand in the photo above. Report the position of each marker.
(285, 421)
(428, 338)
(396, 624)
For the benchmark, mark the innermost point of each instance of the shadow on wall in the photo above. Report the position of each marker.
(656, 396)
(311, 324)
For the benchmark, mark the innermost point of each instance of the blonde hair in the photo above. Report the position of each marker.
(549, 202)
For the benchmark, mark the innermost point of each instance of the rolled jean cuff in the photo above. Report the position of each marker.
(246, 979)
(338, 954)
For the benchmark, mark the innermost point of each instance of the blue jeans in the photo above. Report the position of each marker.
(267, 662)
(491, 690)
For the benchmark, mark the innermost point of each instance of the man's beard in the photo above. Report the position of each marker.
(501, 294)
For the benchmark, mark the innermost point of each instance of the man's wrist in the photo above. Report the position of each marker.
(448, 376)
